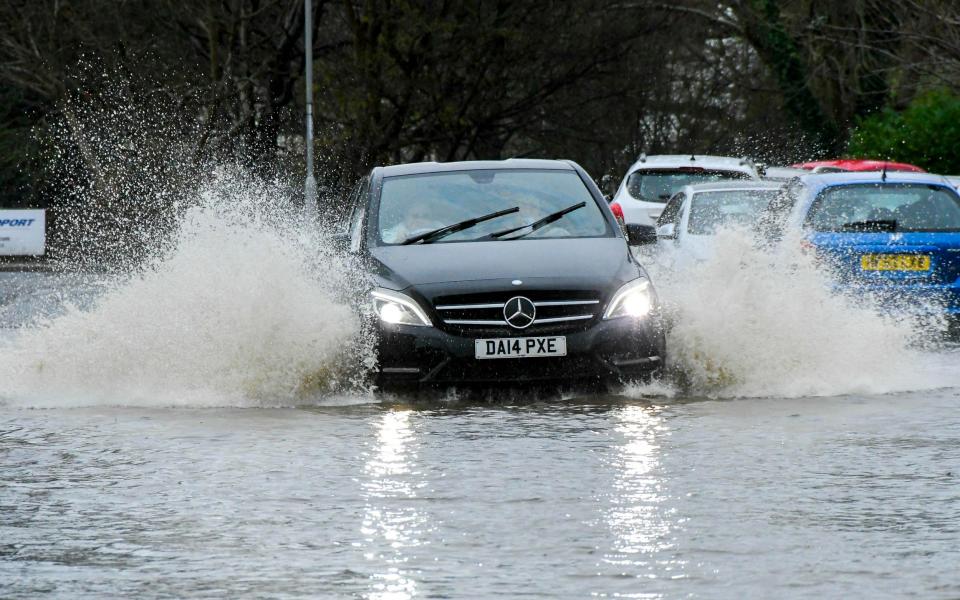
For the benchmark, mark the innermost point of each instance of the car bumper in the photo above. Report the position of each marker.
(623, 349)
(915, 298)
(640, 212)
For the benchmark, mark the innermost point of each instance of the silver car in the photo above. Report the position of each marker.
(694, 215)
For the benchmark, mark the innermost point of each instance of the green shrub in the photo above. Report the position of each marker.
(926, 134)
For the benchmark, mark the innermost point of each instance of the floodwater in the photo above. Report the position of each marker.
(605, 497)
(647, 494)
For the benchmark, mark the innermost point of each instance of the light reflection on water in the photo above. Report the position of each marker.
(391, 526)
(636, 516)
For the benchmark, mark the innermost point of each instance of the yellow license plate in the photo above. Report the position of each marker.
(895, 262)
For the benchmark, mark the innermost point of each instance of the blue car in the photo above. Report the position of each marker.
(895, 235)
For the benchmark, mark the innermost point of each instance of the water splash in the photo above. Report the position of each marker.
(241, 309)
(753, 323)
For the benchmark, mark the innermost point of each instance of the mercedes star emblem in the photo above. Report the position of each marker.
(519, 312)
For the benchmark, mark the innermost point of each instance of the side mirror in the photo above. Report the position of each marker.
(641, 235)
(667, 231)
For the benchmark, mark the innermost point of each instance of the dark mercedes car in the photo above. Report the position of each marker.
(502, 272)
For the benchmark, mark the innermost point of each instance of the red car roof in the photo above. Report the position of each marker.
(857, 164)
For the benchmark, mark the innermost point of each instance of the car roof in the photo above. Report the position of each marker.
(472, 165)
(718, 186)
(822, 180)
(666, 161)
(860, 164)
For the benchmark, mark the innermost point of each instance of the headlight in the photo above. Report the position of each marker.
(634, 299)
(398, 309)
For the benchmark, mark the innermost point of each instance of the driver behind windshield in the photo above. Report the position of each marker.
(416, 219)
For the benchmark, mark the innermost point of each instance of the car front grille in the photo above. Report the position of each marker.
(555, 310)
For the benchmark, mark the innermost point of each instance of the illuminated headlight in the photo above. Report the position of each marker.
(634, 299)
(397, 309)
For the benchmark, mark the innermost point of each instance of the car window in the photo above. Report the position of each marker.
(671, 212)
(711, 211)
(885, 207)
(415, 204)
(658, 185)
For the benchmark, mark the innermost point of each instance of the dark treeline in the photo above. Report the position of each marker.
(96, 91)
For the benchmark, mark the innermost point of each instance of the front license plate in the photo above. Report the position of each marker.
(531, 347)
(895, 262)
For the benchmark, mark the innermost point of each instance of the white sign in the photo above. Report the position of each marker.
(23, 232)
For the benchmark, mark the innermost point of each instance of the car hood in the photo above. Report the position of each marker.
(599, 260)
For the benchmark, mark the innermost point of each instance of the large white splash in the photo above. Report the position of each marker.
(240, 310)
(752, 323)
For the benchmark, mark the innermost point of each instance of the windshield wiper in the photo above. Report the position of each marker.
(542, 222)
(442, 232)
(878, 225)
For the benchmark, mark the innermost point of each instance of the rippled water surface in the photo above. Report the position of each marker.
(645, 496)
(585, 497)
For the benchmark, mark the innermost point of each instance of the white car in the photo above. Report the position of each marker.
(694, 215)
(653, 180)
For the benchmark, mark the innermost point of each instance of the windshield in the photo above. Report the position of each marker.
(710, 211)
(661, 185)
(886, 207)
(412, 205)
